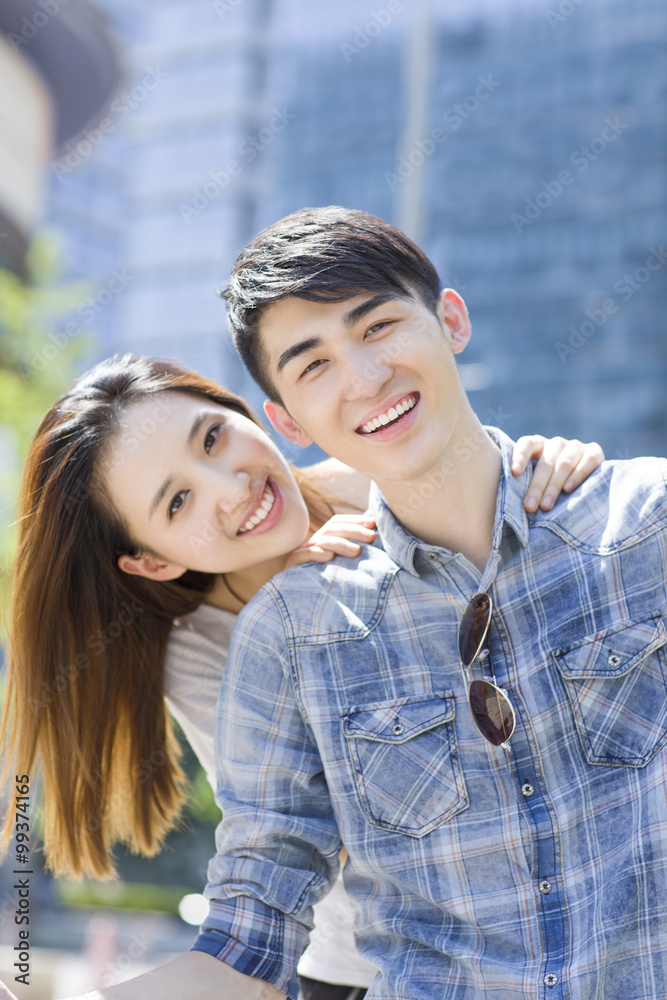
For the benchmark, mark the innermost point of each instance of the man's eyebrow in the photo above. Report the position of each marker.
(296, 349)
(349, 319)
(157, 499)
(354, 315)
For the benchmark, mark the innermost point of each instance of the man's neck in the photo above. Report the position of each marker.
(453, 505)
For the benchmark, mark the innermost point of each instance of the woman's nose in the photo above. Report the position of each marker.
(232, 491)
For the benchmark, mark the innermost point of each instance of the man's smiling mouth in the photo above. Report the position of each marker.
(390, 416)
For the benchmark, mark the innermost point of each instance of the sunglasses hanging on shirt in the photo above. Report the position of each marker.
(490, 707)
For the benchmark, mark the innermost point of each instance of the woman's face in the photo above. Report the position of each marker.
(202, 487)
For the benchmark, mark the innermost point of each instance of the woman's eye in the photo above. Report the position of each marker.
(177, 502)
(377, 326)
(211, 437)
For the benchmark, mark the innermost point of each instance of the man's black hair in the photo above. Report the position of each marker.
(323, 255)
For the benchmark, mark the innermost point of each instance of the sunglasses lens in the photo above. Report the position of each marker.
(473, 628)
(492, 711)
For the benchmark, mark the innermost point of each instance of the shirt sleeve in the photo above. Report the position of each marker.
(194, 665)
(192, 716)
(278, 842)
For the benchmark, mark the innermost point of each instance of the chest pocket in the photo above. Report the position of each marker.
(617, 683)
(406, 763)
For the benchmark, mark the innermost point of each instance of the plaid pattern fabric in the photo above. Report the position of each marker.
(537, 872)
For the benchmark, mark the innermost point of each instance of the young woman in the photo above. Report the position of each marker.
(153, 507)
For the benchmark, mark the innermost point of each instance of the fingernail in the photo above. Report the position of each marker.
(569, 485)
(547, 501)
(530, 503)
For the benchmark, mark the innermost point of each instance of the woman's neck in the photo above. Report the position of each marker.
(231, 591)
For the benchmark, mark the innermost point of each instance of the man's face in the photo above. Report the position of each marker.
(371, 379)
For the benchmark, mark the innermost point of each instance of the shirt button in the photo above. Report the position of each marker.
(545, 886)
(614, 660)
(550, 980)
(433, 556)
(398, 729)
(527, 789)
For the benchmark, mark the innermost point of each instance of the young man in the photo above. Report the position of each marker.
(500, 793)
(476, 709)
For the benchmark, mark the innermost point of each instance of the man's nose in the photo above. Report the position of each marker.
(365, 372)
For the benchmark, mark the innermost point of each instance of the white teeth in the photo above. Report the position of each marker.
(393, 413)
(263, 510)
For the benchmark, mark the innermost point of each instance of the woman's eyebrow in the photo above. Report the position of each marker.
(157, 499)
(198, 421)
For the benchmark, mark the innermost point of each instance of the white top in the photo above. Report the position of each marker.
(196, 656)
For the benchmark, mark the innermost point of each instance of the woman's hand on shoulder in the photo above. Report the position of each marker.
(340, 536)
(562, 465)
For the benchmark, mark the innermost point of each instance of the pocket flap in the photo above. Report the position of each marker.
(614, 651)
(401, 719)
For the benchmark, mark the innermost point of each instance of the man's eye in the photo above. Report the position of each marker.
(379, 325)
(312, 366)
(177, 502)
(211, 437)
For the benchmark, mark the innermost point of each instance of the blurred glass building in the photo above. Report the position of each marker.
(522, 144)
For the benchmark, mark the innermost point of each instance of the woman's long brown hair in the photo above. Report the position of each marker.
(85, 689)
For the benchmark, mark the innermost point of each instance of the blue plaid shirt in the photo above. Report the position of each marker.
(537, 872)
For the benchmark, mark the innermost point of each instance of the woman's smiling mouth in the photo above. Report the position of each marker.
(262, 510)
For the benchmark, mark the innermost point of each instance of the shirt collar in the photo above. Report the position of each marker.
(404, 548)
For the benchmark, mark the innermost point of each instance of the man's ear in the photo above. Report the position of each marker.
(285, 424)
(149, 566)
(454, 314)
